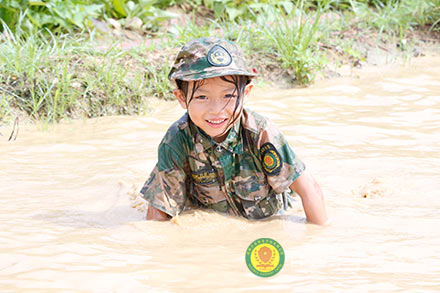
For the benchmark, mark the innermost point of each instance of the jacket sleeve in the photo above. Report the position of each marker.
(280, 164)
(166, 187)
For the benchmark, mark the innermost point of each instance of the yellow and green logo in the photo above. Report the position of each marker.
(265, 257)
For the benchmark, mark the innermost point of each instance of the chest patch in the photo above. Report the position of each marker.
(204, 177)
(270, 159)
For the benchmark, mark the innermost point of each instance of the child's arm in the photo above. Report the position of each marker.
(312, 198)
(156, 214)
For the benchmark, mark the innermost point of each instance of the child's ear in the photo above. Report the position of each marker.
(248, 89)
(180, 97)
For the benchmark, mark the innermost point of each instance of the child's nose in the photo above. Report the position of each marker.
(217, 106)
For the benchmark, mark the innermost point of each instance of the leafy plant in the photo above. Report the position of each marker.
(66, 16)
(145, 10)
(293, 35)
(54, 15)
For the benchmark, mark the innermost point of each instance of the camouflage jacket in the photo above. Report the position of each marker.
(247, 174)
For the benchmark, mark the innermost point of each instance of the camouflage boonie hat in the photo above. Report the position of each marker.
(209, 57)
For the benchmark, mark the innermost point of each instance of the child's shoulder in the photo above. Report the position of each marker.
(177, 131)
(261, 129)
(254, 121)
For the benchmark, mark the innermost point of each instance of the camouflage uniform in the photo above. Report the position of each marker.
(248, 174)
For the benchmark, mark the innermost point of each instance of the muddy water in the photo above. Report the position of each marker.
(373, 143)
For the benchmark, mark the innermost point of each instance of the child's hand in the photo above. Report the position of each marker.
(312, 198)
(156, 214)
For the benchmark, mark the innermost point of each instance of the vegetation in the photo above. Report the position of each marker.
(55, 62)
(66, 16)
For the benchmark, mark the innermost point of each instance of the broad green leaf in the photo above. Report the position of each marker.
(146, 4)
(219, 9)
(8, 16)
(37, 3)
(93, 10)
(12, 4)
(119, 6)
(233, 12)
(34, 20)
(159, 13)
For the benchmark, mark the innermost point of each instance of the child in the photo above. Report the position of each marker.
(220, 155)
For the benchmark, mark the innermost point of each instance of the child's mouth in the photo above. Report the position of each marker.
(216, 123)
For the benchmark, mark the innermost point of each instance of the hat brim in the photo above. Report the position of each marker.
(212, 74)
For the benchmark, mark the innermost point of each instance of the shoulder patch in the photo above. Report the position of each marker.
(270, 159)
(219, 56)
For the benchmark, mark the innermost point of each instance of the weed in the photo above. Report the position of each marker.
(292, 36)
(54, 79)
(52, 76)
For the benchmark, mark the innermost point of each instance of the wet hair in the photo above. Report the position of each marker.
(240, 82)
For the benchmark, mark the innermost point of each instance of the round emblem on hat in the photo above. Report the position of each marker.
(265, 257)
(219, 56)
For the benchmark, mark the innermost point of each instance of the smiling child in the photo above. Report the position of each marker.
(220, 155)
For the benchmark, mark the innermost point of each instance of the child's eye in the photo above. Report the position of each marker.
(230, 96)
(201, 98)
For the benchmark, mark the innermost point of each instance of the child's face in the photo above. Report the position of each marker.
(212, 106)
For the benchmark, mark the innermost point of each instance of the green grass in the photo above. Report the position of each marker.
(396, 17)
(67, 77)
(53, 77)
(293, 39)
(274, 36)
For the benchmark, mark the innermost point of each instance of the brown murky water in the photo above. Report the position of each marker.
(66, 221)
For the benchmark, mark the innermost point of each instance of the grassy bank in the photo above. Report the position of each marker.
(116, 70)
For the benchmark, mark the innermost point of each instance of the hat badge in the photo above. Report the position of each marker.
(219, 56)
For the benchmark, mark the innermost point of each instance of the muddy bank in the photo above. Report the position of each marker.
(367, 49)
(119, 73)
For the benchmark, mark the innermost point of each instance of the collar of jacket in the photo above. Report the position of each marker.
(233, 142)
